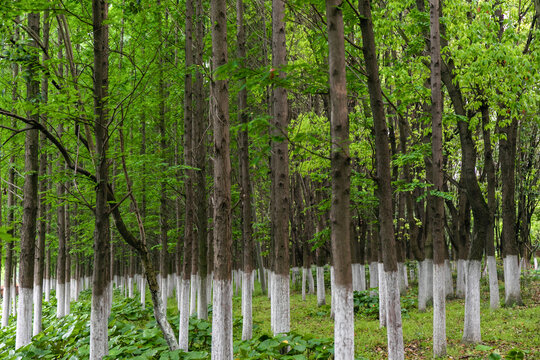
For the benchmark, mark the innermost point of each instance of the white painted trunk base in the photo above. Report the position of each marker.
(405, 276)
(183, 325)
(98, 326)
(130, 287)
(38, 310)
(163, 289)
(202, 298)
(24, 318)
(247, 318)
(311, 282)
(6, 302)
(382, 294)
(304, 279)
(461, 276)
(47, 288)
(394, 328)
(373, 275)
(471, 327)
(425, 283)
(321, 296)
(512, 287)
(401, 274)
(449, 289)
(67, 298)
(358, 277)
(222, 329)
(332, 288)
(343, 323)
(60, 300)
(493, 283)
(143, 292)
(439, 310)
(281, 304)
(193, 295)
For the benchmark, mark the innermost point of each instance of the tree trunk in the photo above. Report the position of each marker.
(489, 168)
(222, 340)
(30, 201)
(507, 154)
(101, 271)
(439, 247)
(382, 154)
(280, 177)
(341, 169)
(188, 224)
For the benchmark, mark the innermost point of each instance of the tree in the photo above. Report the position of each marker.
(340, 217)
(382, 153)
(30, 201)
(280, 177)
(222, 305)
(439, 247)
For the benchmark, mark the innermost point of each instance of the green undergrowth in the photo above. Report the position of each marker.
(507, 333)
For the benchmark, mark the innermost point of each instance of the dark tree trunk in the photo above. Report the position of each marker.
(382, 154)
(507, 154)
(222, 341)
(280, 177)
(245, 184)
(101, 270)
(340, 217)
(30, 201)
(439, 247)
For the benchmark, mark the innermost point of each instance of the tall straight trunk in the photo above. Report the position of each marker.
(489, 168)
(188, 220)
(101, 272)
(30, 201)
(507, 154)
(341, 169)
(199, 158)
(437, 225)
(280, 176)
(245, 186)
(42, 210)
(222, 340)
(8, 266)
(382, 154)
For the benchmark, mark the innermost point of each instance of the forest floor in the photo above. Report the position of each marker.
(509, 333)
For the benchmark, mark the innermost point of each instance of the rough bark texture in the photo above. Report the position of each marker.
(439, 247)
(507, 155)
(382, 154)
(280, 173)
(101, 276)
(340, 217)
(222, 304)
(30, 202)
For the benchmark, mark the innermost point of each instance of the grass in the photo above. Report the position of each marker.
(503, 330)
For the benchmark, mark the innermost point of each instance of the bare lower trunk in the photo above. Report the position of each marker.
(462, 266)
(373, 275)
(247, 292)
(471, 328)
(280, 291)
(393, 317)
(439, 310)
(512, 289)
(321, 297)
(493, 282)
(184, 315)
(383, 300)
(222, 321)
(344, 323)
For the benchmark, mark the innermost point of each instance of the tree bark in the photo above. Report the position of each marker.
(101, 271)
(340, 217)
(437, 225)
(280, 177)
(382, 154)
(507, 155)
(222, 341)
(30, 200)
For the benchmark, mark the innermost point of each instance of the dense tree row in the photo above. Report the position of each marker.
(185, 148)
